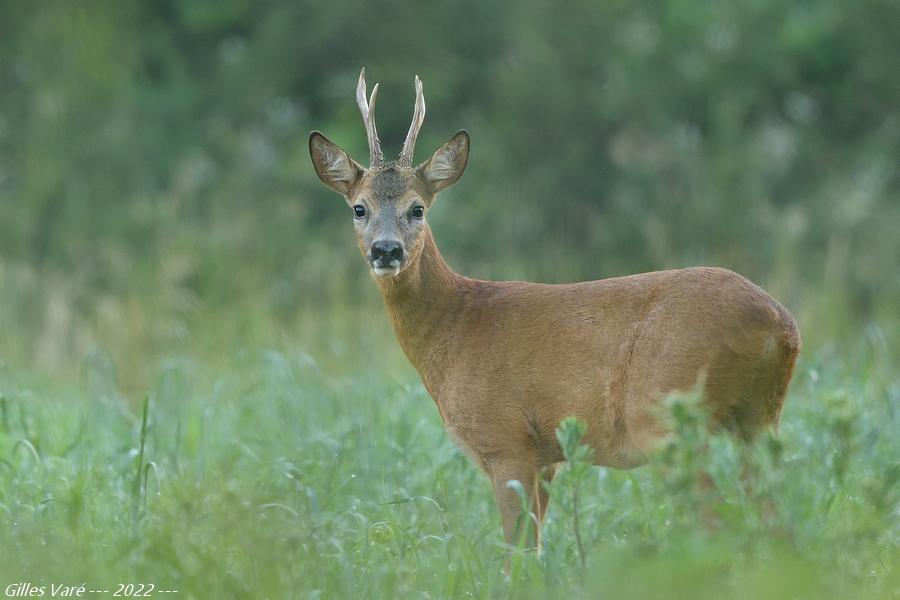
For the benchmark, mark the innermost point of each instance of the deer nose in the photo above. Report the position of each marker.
(387, 251)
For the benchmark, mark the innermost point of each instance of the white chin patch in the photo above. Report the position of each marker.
(385, 271)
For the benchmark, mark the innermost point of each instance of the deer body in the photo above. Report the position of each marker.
(505, 362)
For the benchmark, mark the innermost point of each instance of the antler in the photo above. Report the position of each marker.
(368, 114)
(409, 146)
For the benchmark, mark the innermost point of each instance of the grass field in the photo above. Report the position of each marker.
(295, 473)
(201, 396)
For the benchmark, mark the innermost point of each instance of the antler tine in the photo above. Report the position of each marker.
(409, 146)
(368, 114)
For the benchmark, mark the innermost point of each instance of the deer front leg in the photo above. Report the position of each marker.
(515, 523)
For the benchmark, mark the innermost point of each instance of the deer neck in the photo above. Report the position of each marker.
(423, 302)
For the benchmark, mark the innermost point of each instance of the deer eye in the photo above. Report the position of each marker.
(417, 212)
(359, 210)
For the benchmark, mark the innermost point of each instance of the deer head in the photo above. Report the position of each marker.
(389, 200)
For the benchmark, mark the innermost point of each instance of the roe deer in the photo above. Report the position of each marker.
(506, 361)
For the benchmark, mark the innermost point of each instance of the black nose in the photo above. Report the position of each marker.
(383, 250)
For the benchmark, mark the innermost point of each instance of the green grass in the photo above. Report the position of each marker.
(274, 476)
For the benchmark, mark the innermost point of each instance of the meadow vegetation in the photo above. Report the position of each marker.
(277, 477)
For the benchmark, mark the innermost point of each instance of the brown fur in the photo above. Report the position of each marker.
(506, 361)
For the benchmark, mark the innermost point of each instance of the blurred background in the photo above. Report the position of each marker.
(157, 198)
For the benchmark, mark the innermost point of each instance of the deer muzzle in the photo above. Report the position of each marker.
(386, 257)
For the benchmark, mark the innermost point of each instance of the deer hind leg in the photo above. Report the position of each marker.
(542, 499)
(748, 390)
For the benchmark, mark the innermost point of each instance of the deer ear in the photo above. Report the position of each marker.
(447, 164)
(333, 166)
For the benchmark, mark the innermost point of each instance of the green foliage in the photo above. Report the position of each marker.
(276, 478)
(567, 483)
(569, 434)
(155, 185)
